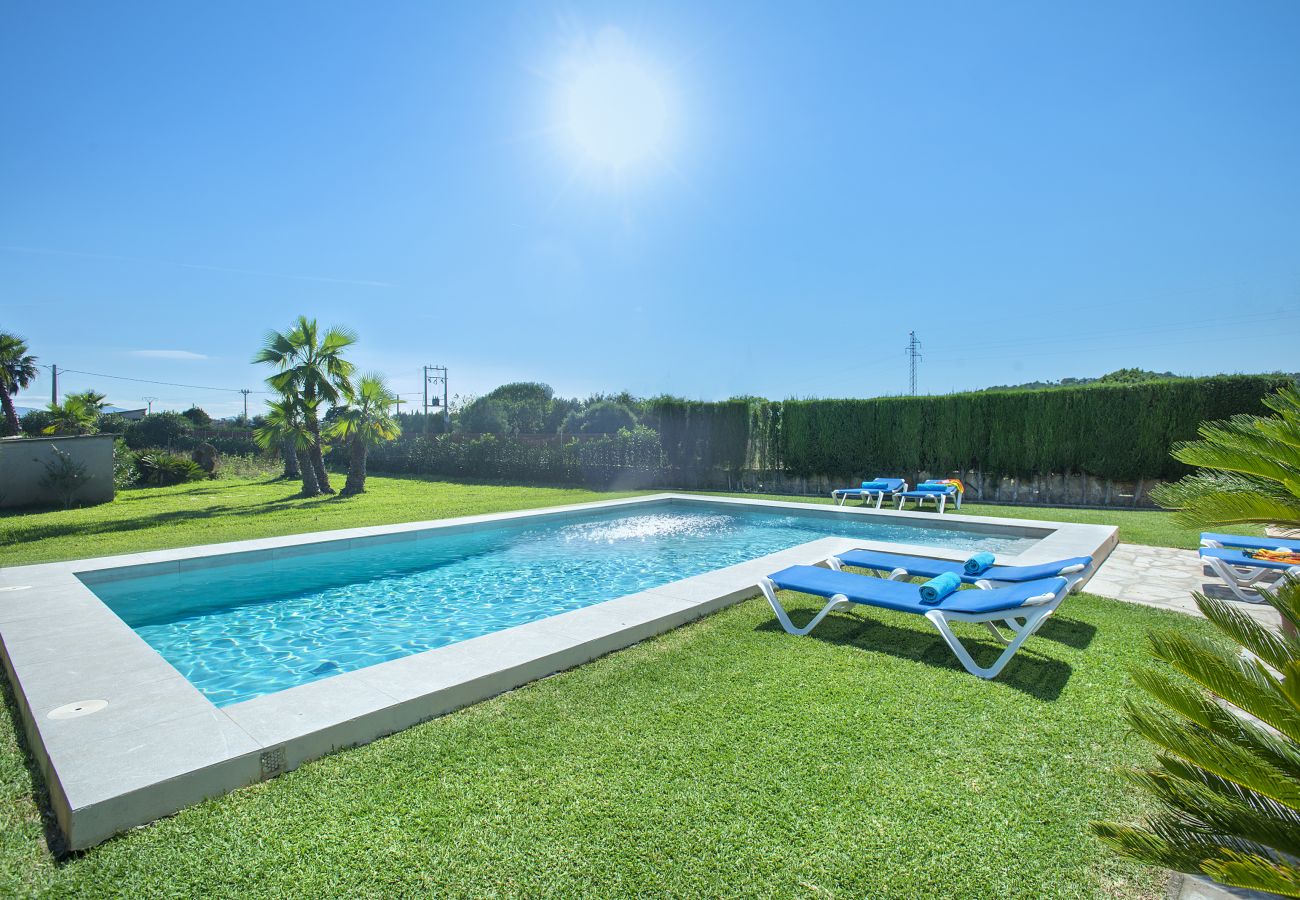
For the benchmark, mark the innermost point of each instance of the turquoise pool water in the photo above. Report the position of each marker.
(256, 625)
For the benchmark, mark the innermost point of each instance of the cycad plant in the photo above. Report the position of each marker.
(17, 372)
(285, 427)
(312, 370)
(365, 420)
(1227, 775)
(1249, 470)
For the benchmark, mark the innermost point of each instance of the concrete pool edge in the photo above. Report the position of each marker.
(160, 745)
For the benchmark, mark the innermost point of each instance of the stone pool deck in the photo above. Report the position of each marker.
(1166, 578)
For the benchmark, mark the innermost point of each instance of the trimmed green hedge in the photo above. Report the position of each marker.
(1115, 431)
(1109, 431)
(631, 457)
(698, 435)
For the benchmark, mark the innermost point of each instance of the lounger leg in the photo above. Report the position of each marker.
(940, 622)
(943, 504)
(880, 498)
(769, 591)
(1245, 591)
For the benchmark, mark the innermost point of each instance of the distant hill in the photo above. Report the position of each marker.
(1119, 376)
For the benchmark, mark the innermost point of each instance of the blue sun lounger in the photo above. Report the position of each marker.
(940, 494)
(899, 566)
(1245, 542)
(1248, 578)
(1021, 608)
(878, 488)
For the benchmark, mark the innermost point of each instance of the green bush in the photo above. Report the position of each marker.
(125, 473)
(160, 468)
(164, 429)
(603, 417)
(34, 422)
(698, 435)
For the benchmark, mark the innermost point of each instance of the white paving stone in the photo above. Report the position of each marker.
(1166, 578)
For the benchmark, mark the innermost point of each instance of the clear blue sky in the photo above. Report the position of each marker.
(701, 199)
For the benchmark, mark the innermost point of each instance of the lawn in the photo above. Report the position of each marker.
(237, 509)
(724, 758)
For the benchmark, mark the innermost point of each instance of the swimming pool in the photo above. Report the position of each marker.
(239, 626)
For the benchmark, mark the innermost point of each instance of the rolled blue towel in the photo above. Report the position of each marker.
(939, 587)
(979, 563)
(927, 486)
(874, 485)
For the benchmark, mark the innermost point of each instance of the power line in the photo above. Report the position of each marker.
(196, 387)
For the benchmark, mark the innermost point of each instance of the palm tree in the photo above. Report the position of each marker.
(285, 427)
(17, 372)
(313, 370)
(1250, 470)
(365, 420)
(1228, 767)
(75, 415)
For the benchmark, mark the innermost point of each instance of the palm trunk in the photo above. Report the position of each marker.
(12, 425)
(289, 450)
(356, 483)
(318, 458)
(310, 487)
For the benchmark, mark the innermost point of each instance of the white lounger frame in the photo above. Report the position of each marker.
(940, 499)
(1022, 621)
(1249, 583)
(841, 495)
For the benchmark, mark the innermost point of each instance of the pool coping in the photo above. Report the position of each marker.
(160, 745)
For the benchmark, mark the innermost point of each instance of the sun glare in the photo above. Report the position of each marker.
(613, 105)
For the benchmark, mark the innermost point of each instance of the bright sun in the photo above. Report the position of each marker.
(613, 105)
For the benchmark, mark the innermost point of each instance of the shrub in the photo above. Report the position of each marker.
(35, 421)
(160, 468)
(112, 423)
(604, 417)
(125, 473)
(198, 416)
(64, 475)
(484, 416)
(164, 429)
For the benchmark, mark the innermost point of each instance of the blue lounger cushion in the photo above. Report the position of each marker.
(925, 567)
(1238, 558)
(939, 586)
(978, 563)
(903, 597)
(1242, 541)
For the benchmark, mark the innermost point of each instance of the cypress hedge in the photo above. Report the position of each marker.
(1122, 432)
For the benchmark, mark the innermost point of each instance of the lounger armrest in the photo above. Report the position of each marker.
(1070, 570)
(1040, 600)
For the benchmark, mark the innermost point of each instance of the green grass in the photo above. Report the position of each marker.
(724, 758)
(237, 509)
(1152, 527)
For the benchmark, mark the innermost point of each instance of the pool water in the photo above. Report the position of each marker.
(253, 625)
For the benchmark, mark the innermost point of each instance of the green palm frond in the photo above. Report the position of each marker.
(1228, 733)
(1276, 648)
(1249, 469)
(1255, 873)
(1245, 683)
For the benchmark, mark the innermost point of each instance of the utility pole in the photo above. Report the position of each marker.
(54, 385)
(436, 374)
(149, 400)
(245, 392)
(913, 351)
